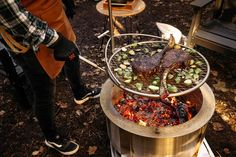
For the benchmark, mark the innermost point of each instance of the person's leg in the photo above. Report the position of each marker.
(81, 93)
(72, 71)
(44, 89)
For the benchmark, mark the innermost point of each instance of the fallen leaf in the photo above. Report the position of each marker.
(220, 86)
(19, 123)
(227, 112)
(61, 104)
(35, 153)
(6, 81)
(35, 119)
(2, 112)
(38, 152)
(214, 73)
(83, 74)
(227, 151)
(217, 126)
(92, 150)
(93, 85)
(78, 112)
(97, 106)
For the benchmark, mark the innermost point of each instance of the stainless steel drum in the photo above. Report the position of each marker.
(132, 140)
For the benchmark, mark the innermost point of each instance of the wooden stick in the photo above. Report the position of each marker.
(90, 63)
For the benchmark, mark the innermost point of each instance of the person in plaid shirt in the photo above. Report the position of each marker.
(43, 28)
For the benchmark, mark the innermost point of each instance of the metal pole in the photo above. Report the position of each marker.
(111, 25)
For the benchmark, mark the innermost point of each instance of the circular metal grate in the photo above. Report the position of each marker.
(143, 47)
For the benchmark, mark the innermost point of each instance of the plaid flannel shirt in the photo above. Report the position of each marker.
(23, 26)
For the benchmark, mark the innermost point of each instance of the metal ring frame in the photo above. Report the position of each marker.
(119, 84)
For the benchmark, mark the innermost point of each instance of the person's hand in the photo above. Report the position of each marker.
(64, 49)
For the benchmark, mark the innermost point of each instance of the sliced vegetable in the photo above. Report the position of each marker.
(157, 78)
(127, 75)
(123, 66)
(131, 52)
(195, 77)
(135, 78)
(139, 86)
(146, 50)
(193, 66)
(198, 70)
(188, 76)
(183, 73)
(199, 63)
(124, 56)
(134, 45)
(119, 71)
(126, 62)
(153, 88)
(137, 50)
(132, 59)
(191, 62)
(191, 70)
(179, 74)
(172, 89)
(152, 53)
(129, 68)
(188, 82)
(155, 82)
(128, 81)
(177, 79)
(119, 58)
(124, 49)
(159, 50)
(170, 76)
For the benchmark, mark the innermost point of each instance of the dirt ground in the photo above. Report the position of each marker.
(20, 134)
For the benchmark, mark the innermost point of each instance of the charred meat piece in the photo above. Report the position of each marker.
(172, 59)
(146, 66)
(175, 58)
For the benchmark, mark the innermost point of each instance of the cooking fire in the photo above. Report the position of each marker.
(154, 112)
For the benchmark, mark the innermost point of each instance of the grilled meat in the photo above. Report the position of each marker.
(146, 66)
(172, 59)
(175, 58)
